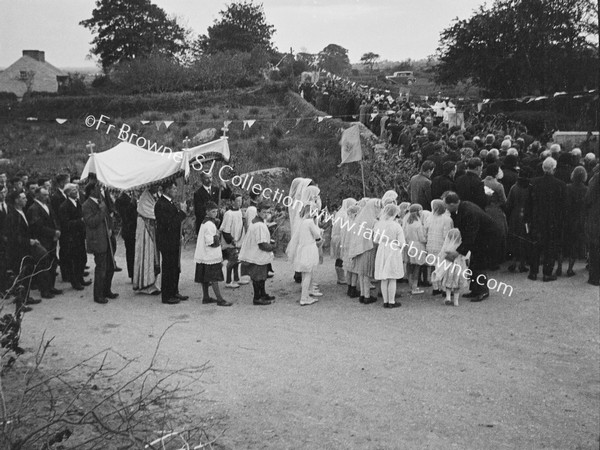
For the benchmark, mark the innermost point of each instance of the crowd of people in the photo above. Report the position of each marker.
(479, 200)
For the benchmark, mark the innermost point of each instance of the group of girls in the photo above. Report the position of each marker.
(378, 240)
(245, 244)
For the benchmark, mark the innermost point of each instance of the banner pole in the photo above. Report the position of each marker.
(362, 172)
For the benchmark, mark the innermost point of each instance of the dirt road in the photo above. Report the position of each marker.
(510, 372)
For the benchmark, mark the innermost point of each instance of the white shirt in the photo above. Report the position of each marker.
(73, 201)
(205, 254)
(3, 207)
(233, 223)
(258, 233)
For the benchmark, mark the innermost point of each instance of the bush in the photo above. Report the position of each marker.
(75, 85)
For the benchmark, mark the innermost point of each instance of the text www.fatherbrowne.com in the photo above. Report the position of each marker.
(430, 259)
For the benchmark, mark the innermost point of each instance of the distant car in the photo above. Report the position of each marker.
(404, 77)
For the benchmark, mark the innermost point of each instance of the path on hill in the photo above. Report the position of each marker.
(510, 372)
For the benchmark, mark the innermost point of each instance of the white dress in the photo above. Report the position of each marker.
(305, 253)
(389, 263)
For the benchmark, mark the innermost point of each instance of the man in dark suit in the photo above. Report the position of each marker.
(479, 234)
(545, 215)
(22, 251)
(168, 241)
(72, 237)
(469, 187)
(44, 228)
(126, 207)
(207, 193)
(98, 229)
(57, 199)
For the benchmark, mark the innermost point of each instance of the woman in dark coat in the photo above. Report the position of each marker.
(518, 245)
(592, 229)
(574, 235)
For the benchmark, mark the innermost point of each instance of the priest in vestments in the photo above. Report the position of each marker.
(146, 266)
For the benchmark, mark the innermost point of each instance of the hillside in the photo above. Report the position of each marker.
(286, 133)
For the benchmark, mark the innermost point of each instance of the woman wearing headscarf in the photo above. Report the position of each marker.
(297, 194)
(340, 218)
(494, 208)
(518, 243)
(146, 265)
(361, 249)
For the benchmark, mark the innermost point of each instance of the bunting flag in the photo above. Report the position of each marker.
(168, 123)
(157, 123)
(350, 143)
(61, 121)
(32, 119)
(227, 123)
(298, 122)
(320, 119)
(249, 123)
(144, 122)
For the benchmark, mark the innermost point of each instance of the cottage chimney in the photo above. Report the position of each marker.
(38, 55)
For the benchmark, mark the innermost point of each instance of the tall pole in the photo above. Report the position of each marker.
(362, 172)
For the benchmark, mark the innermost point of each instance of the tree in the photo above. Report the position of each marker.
(242, 27)
(334, 59)
(369, 60)
(520, 47)
(130, 29)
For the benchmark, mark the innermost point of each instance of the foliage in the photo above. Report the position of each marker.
(242, 27)
(369, 60)
(75, 85)
(219, 70)
(154, 74)
(128, 29)
(519, 47)
(334, 59)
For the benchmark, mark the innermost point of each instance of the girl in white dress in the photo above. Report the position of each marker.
(351, 274)
(449, 274)
(389, 264)
(303, 251)
(437, 226)
(414, 232)
(340, 218)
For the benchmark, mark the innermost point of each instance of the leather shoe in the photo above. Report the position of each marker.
(102, 300)
(171, 301)
(261, 302)
(117, 269)
(394, 305)
(224, 303)
(549, 278)
(55, 291)
(47, 294)
(112, 295)
(369, 300)
(481, 297)
(470, 295)
(206, 301)
(531, 276)
(78, 287)
(267, 297)
(180, 297)
(85, 283)
(33, 301)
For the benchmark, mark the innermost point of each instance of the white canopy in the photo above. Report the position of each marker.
(127, 166)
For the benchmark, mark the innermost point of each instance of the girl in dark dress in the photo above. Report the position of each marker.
(518, 244)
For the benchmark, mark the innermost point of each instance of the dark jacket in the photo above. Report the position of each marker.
(43, 226)
(592, 205)
(56, 200)
(97, 226)
(546, 206)
(441, 184)
(478, 231)
(168, 225)
(72, 225)
(18, 236)
(469, 187)
(127, 209)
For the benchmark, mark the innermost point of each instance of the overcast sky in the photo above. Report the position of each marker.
(394, 29)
